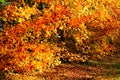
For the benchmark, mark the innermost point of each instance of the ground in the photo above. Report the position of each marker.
(106, 69)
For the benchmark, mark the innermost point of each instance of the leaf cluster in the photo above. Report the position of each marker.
(34, 38)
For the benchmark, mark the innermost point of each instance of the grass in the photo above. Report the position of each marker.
(113, 69)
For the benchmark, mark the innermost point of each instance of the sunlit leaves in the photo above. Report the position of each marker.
(75, 30)
(13, 12)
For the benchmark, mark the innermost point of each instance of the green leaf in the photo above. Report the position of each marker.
(2, 1)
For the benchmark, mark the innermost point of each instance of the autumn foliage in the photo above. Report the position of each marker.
(35, 38)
